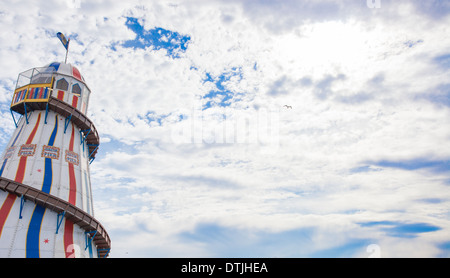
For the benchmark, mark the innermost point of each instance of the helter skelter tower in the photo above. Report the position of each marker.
(46, 207)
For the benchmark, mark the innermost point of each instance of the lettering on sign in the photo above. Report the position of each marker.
(50, 152)
(72, 157)
(9, 152)
(27, 150)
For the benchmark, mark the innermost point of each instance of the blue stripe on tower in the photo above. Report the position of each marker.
(3, 166)
(32, 247)
(48, 175)
(34, 228)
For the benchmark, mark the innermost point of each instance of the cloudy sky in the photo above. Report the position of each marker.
(199, 155)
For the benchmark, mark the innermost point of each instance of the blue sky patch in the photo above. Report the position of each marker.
(363, 169)
(437, 9)
(437, 166)
(431, 200)
(323, 87)
(443, 60)
(410, 230)
(152, 118)
(439, 95)
(399, 229)
(157, 38)
(295, 243)
(445, 249)
(376, 223)
(231, 241)
(411, 44)
(4, 140)
(221, 95)
(278, 87)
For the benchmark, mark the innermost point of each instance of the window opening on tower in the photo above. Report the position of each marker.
(62, 84)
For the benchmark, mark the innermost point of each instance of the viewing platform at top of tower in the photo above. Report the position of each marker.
(58, 87)
(58, 80)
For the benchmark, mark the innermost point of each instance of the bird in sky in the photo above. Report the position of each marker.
(288, 107)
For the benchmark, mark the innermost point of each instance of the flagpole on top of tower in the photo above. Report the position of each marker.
(65, 43)
(67, 51)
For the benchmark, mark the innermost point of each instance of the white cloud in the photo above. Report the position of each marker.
(352, 75)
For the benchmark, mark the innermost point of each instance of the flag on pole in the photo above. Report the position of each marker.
(63, 40)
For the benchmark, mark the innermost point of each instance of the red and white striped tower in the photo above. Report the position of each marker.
(46, 205)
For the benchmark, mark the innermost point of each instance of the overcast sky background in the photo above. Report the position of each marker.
(200, 158)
